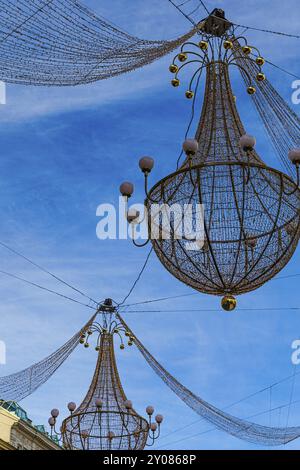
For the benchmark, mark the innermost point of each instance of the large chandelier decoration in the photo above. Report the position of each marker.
(251, 221)
(106, 419)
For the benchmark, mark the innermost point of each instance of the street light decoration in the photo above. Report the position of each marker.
(106, 419)
(251, 221)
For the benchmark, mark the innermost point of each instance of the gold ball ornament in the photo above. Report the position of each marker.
(228, 303)
(97, 348)
(122, 346)
(228, 45)
(182, 57)
(173, 68)
(81, 341)
(203, 45)
(260, 77)
(86, 345)
(189, 94)
(130, 343)
(247, 50)
(260, 61)
(127, 333)
(251, 90)
(175, 82)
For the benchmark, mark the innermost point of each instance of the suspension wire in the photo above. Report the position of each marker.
(257, 309)
(14, 276)
(204, 6)
(161, 299)
(137, 279)
(182, 12)
(267, 31)
(283, 70)
(195, 293)
(191, 118)
(12, 250)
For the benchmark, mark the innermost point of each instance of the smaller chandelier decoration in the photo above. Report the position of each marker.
(106, 419)
(251, 212)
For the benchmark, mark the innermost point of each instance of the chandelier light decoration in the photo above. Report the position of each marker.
(251, 221)
(106, 419)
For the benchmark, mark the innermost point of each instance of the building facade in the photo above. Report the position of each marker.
(18, 433)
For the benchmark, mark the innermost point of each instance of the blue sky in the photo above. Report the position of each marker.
(65, 151)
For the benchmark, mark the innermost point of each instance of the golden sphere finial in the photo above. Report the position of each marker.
(260, 61)
(251, 90)
(122, 346)
(175, 82)
(130, 343)
(247, 50)
(86, 345)
(203, 45)
(173, 68)
(182, 57)
(228, 45)
(228, 303)
(189, 94)
(260, 77)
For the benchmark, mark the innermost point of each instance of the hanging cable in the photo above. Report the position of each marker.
(195, 293)
(191, 118)
(14, 276)
(263, 309)
(267, 31)
(204, 6)
(283, 70)
(137, 279)
(182, 12)
(46, 271)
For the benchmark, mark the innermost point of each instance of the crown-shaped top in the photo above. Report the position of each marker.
(220, 127)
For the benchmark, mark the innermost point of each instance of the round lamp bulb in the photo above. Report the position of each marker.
(98, 403)
(190, 147)
(71, 406)
(128, 404)
(159, 418)
(54, 413)
(294, 156)
(150, 410)
(132, 215)
(146, 164)
(126, 189)
(247, 142)
(51, 421)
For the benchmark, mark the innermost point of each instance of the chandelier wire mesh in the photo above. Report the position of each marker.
(251, 223)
